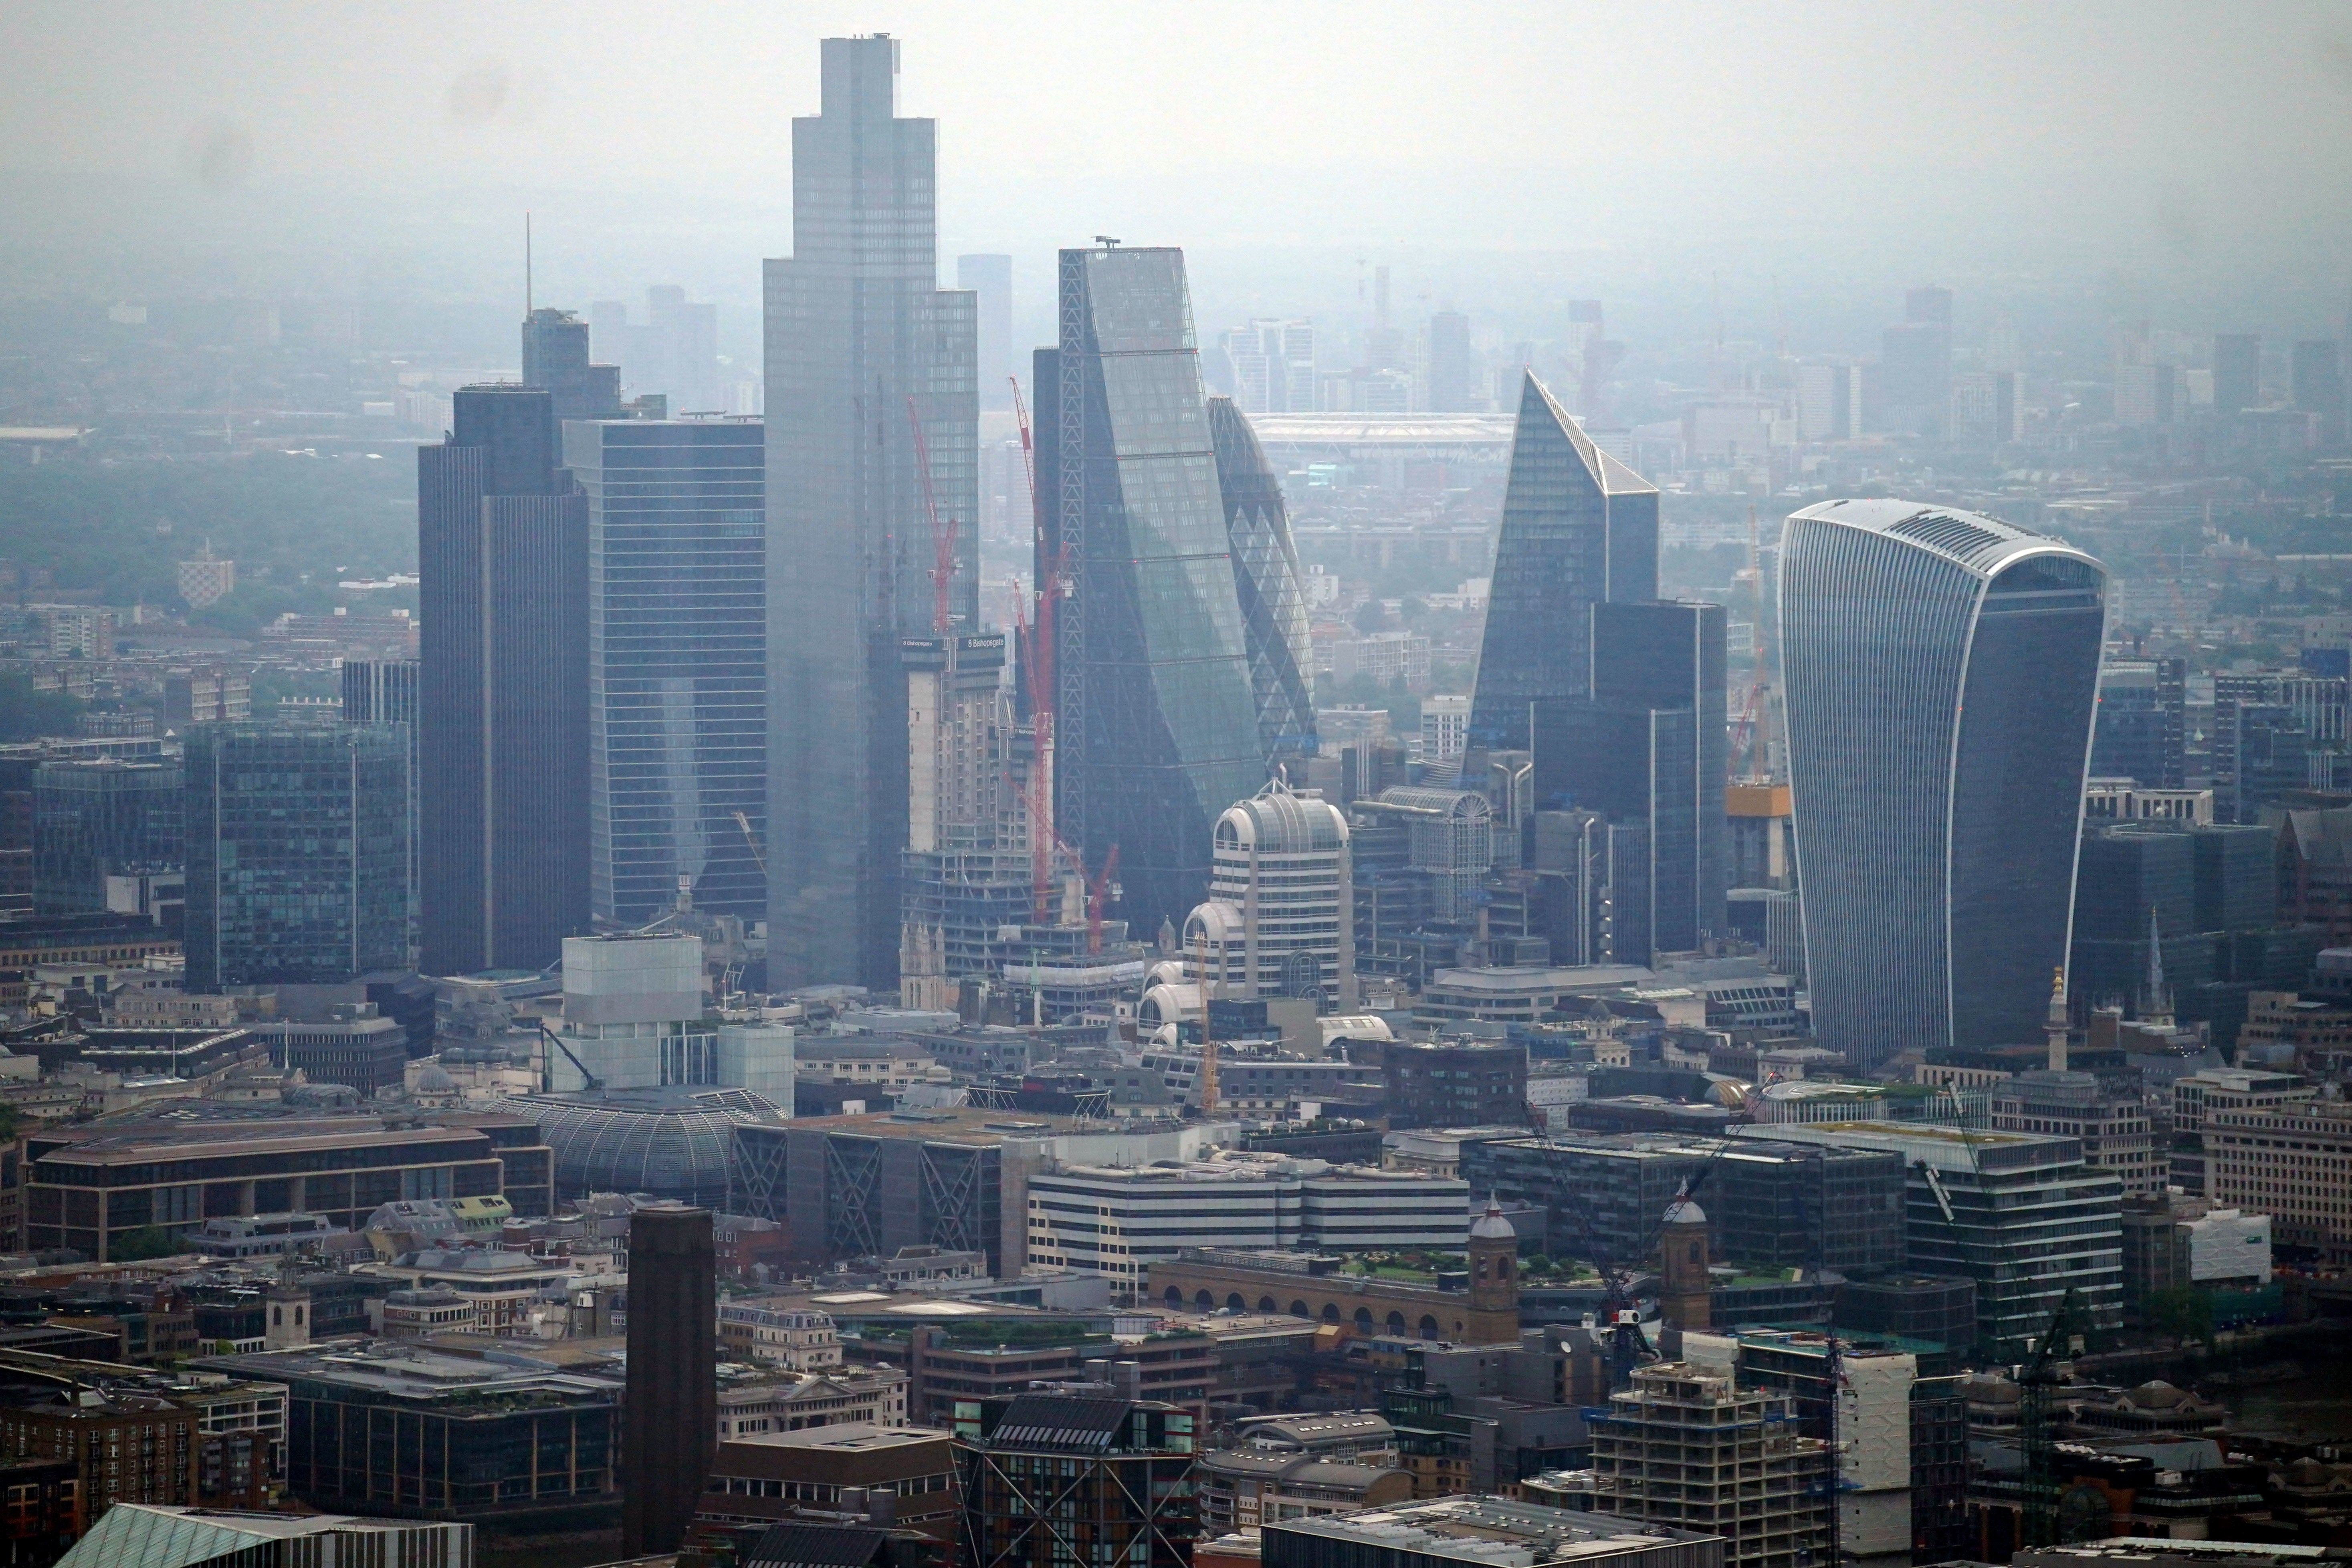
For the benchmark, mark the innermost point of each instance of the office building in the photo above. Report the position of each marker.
(1761, 847)
(671, 356)
(97, 819)
(1051, 1479)
(1941, 674)
(2291, 1160)
(353, 1044)
(487, 1443)
(209, 694)
(384, 691)
(1644, 747)
(1829, 401)
(1270, 366)
(1155, 728)
(677, 677)
(635, 1017)
(1280, 917)
(1988, 407)
(1120, 1223)
(1689, 1450)
(89, 1188)
(1454, 366)
(989, 280)
(1770, 1206)
(1988, 1205)
(1455, 1083)
(775, 1475)
(296, 854)
(2317, 385)
(502, 687)
(555, 359)
(142, 1533)
(1240, 1489)
(2142, 728)
(1476, 1533)
(671, 1413)
(2112, 1125)
(1267, 581)
(2237, 373)
(869, 381)
(1579, 529)
(1444, 727)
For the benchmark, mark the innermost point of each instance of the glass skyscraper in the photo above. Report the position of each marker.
(1580, 528)
(297, 852)
(1646, 751)
(863, 348)
(678, 679)
(1156, 730)
(1266, 577)
(1941, 672)
(502, 687)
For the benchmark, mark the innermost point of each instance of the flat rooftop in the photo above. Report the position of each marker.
(1491, 1530)
(846, 1438)
(962, 1124)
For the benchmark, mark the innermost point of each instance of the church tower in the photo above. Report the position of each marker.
(1684, 1285)
(1494, 1250)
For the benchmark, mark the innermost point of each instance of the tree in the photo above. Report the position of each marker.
(27, 715)
(1371, 616)
(2184, 1313)
(147, 1241)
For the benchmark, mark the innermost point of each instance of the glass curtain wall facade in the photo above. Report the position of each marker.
(1579, 529)
(1941, 670)
(298, 854)
(502, 687)
(1156, 732)
(96, 819)
(1267, 579)
(678, 678)
(384, 691)
(862, 348)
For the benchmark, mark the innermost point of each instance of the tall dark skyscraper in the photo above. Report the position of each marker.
(1580, 529)
(677, 681)
(1942, 669)
(1156, 732)
(1646, 750)
(502, 689)
(555, 357)
(859, 336)
(297, 852)
(989, 280)
(2237, 373)
(670, 1419)
(1266, 578)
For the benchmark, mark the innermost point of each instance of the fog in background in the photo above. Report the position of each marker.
(2062, 166)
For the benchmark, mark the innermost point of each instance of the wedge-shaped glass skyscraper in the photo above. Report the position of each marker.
(1941, 671)
(1580, 528)
(1265, 578)
(1156, 730)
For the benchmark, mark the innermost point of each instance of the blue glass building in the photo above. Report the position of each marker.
(678, 678)
(1265, 578)
(1156, 728)
(92, 820)
(1941, 670)
(297, 852)
(1580, 528)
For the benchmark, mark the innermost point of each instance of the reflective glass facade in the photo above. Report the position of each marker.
(1156, 730)
(298, 854)
(857, 333)
(1579, 529)
(1941, 672)
(677, 678)
(96, 819)
(1266, 577)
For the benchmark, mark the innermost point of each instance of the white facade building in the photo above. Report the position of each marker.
(1280, 916)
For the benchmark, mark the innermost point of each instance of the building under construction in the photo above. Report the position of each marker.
(1687, 1448)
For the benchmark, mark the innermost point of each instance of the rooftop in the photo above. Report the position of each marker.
(846, 1438)
(1491, 1530)
(960, 1124)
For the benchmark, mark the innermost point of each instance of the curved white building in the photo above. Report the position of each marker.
(1279, 919)
(1941, 670)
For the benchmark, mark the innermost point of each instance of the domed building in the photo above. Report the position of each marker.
(677, 1142)
(1279, 919)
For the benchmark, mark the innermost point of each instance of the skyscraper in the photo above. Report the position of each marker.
(1941, 672)
(297, 852)
(1580, 528)
(863, 351)
(384, 691)
(1267, 579)
(1646, 749)
(1278, 920)
(989, 280)
(555, 358)
(1453, 371)
(677, 677)
(2237, 373)
(1156, 730)
(502, 688)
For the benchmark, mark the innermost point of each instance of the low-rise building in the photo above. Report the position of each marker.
(2291, 1160)
(753, 1402)
(1241, 1488)
(1112, 1472)
(1481, 1532)
(778, 1335)
(130, 1534)
(776, 1475)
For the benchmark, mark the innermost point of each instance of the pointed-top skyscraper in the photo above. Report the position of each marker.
(1265, 577)
(863, 348)
(1580, 528)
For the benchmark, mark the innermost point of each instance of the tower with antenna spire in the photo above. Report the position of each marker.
(2155, 996)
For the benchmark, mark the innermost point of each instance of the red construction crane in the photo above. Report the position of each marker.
(943, 540)
(1036, 639)
(1096, 886)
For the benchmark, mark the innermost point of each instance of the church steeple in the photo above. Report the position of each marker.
(2155, 996)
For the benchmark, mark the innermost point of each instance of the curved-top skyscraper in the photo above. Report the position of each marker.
(1941, 670)
(1265, 578)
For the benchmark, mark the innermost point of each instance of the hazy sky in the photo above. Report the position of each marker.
(2198, 154)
